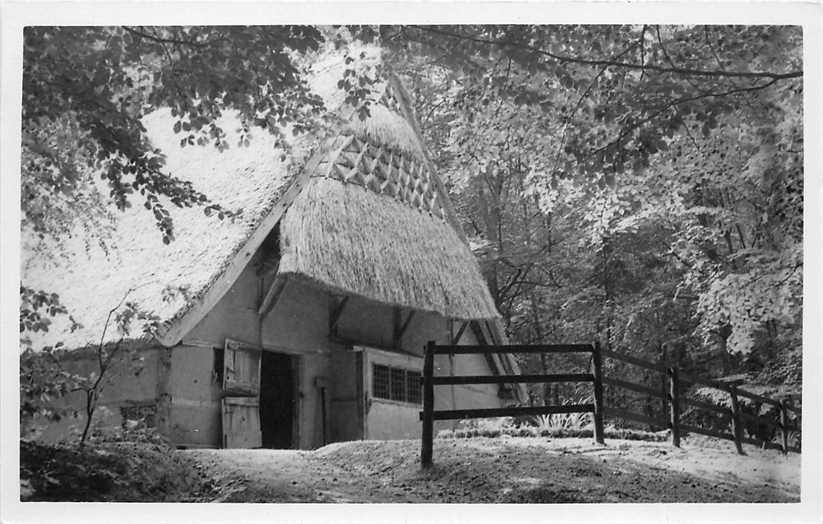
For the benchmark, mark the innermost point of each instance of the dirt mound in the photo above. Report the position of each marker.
(465, 470)
(123, 472)
(506, 469)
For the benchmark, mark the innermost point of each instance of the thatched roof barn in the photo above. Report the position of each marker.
(367, 195)
(360, 217)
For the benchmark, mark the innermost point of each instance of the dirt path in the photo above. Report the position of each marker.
(505, 470)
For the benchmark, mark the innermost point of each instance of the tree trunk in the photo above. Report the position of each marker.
(91, 404)
(544, 361)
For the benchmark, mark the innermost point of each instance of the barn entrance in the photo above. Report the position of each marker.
(277, 400)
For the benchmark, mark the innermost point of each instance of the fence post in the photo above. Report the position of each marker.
(428, 406)
(674, 405)
(737, 427)
(784, 426)
(664, 388)
(597, 372)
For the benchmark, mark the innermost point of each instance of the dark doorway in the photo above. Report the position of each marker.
(277, 406)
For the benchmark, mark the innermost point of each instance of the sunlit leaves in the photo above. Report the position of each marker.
(644, 184)
(100, 81)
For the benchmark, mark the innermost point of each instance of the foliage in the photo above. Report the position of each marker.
(109, 472)
(47, 375)
(529, 431)
(638, 184)
(565, 421)
(36, 308)
(85, 90)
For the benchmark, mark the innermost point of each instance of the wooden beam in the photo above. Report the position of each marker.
(638, 388)
(397, 321)
(706, 405)
(406, 323)
(492, 333)
(428, 407)
(400, 329)
(634, 361)
(453, 414)
(272, 296)
(674, 405)
(460, 332)
(513, 348)
(512, 379)
(737, 426)
(597, 416)
(612, 412)
(335, 312)
(352, 343)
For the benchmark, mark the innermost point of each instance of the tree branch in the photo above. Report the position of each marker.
(161, 40)
(675, 103)
(614, 63)
(567, 119)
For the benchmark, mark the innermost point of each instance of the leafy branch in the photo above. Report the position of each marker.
(614, 63)
(673, 104)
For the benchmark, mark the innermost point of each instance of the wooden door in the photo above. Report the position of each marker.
(241, 369)
(346, 397)
(241, 422)
(241, 401)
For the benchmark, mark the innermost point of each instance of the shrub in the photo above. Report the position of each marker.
(109, 471)
(532, 432)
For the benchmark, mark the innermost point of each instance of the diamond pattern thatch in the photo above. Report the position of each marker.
(387, 171)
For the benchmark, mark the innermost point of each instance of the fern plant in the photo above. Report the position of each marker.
(565, 421)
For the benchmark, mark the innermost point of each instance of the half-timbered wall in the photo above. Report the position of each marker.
(183, 382)
(298, 325)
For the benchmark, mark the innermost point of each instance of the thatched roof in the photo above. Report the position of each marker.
(345, 238)
(380, 228)
(139, 266)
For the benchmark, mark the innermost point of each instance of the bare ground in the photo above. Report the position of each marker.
(479, 470)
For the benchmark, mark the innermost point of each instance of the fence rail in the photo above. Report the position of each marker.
(512, 379)
(631, 415)
(734, 414)
(633, 387)
(671, 394)
(546, 348)
(454, 414)
(429, 381)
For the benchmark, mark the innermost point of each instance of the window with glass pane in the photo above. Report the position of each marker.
(380, 381)
(398, 384)
(413, 387)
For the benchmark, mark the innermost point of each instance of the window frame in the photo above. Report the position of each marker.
(391, 389)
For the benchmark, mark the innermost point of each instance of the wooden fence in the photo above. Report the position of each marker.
(672, 396)
(429, 414)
